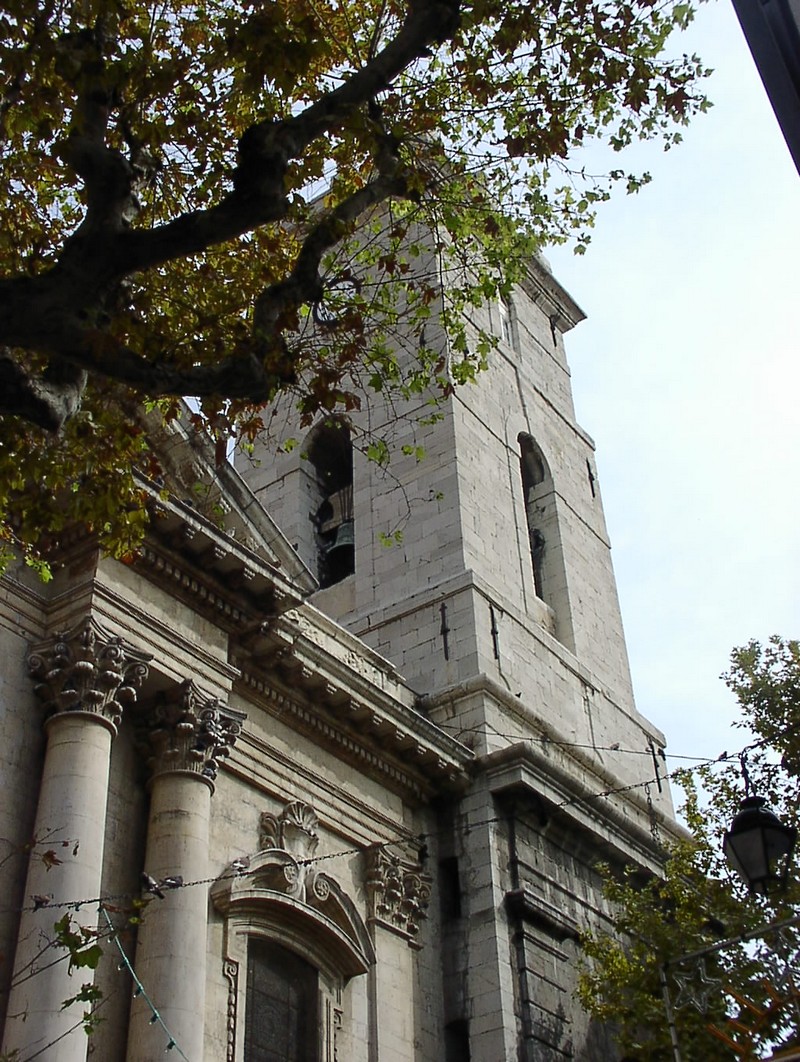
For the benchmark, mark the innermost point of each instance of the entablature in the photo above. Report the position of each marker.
(297, 662)
(364, 733)
(543, 288)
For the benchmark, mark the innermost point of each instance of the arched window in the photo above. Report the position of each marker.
(282, 1005)
(546, 542)
(506, 328)
(330, 454)
(534, 477)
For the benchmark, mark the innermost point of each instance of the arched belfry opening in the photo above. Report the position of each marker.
(545, 538)
(330, 455)
(535, 486)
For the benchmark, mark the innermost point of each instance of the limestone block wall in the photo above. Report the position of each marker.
(538, 689)
(552, 888)
(510, 955)
(462, 508)
(526, 392)
(456, 598)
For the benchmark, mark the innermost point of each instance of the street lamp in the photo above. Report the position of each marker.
(758, 846)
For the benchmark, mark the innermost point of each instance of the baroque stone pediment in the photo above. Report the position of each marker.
(281, 891)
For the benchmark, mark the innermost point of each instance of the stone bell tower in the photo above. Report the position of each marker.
(498, 606)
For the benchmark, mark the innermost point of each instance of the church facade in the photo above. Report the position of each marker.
(278, 791)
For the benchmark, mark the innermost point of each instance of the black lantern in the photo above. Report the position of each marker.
(758, 846)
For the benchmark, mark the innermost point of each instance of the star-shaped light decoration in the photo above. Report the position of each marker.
(696, 987)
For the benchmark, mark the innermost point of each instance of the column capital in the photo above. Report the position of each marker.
(399, 891)
(189, 733)
(86, 669)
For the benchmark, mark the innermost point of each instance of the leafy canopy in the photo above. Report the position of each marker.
(183, 182)
(748, 993)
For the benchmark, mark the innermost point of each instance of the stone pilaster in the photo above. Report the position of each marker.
(86, 677)
(398, 892)
(186, 737)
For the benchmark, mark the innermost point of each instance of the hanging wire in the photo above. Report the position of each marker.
(477, 728)
(584, 799)
(139, 989)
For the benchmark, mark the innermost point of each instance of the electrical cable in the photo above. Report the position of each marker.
(418, 839)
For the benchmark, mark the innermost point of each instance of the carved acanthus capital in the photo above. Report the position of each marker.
(87, 669)
(188, 733)
(399, 892)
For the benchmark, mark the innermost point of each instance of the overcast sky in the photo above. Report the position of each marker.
(687, 376)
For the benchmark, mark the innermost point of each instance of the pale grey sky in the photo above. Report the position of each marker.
(687, 375)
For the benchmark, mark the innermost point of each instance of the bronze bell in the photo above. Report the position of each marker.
(345, 538)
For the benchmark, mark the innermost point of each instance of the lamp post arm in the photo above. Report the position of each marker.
(740, 938)
(673, 1031)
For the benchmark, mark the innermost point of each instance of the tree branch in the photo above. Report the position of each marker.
(57, 313)
(48, 400)
(267, 147)
(109, 178)
(304, 284)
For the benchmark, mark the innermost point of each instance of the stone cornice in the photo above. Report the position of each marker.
(216, 575)
(525, 905)
(326, 682)
(361, 735)
(342, 691)
(210, 488)
(619, 820)
(555, 300)
(483, 683)
(310, 652)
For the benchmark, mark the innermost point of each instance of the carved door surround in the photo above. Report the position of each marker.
(280, 894)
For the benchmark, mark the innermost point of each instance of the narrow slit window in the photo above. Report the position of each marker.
(506, 331)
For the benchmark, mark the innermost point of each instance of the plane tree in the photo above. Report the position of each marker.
(234, 201)
(740, 996)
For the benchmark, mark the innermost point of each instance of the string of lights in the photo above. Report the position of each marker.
(420, 839)
(139, 989)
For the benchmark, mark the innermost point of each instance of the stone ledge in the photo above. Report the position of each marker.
(522, 903)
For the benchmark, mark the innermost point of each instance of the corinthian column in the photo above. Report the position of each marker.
(85, 677)
(187, 737)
